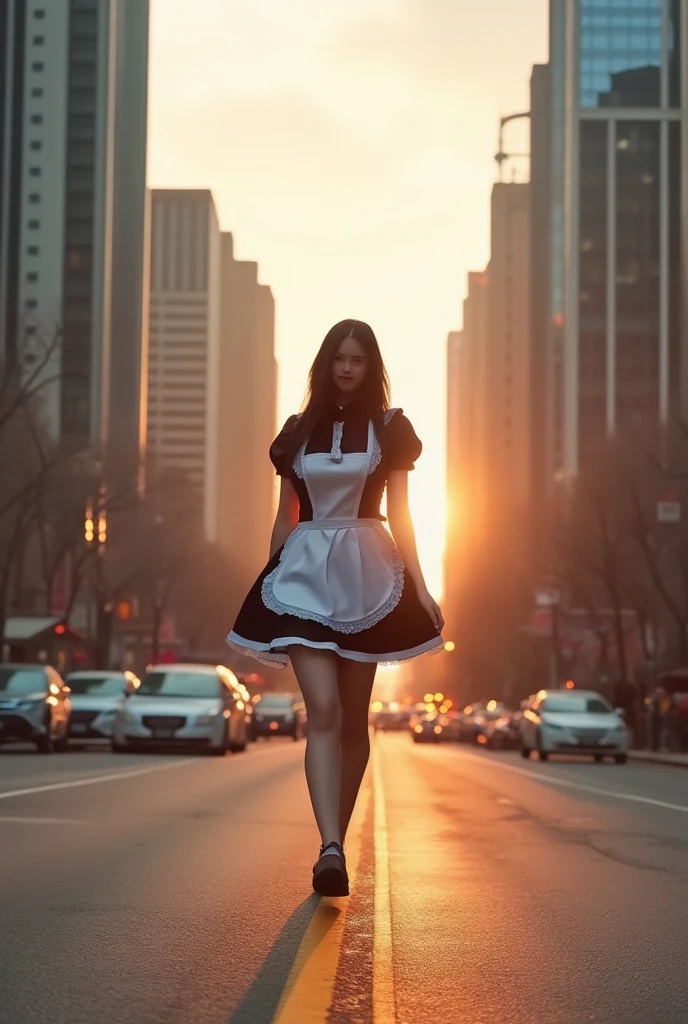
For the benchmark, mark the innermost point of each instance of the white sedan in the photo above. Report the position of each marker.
(184, 707)
(573, 722)
(96, 699)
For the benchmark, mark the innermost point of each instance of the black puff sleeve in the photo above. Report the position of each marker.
(281, 447)
(403, 446)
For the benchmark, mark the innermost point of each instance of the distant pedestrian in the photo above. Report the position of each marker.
(339, 595)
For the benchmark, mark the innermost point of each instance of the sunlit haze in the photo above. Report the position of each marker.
(350, 150)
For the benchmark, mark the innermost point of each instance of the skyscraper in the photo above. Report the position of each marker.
(619, 107)
(248, 385)
(506, 411)
(71, 209)
(184, 342)
(130, 244)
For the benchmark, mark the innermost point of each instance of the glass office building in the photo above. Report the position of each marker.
(618, 261)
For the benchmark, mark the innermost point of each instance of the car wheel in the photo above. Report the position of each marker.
(542, 754)
(61, 745)
(599, 758)
(45, 744)
(621, 758)
(237, 748)
(525, 752)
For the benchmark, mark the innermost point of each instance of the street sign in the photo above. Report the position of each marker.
(669, 509)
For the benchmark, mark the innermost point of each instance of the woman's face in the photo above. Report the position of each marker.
(349, 367)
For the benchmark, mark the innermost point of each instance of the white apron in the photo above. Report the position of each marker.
(338, 570)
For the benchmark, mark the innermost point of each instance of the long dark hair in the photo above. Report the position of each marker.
(374, 392)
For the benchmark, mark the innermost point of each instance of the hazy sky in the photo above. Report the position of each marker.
(350, 148)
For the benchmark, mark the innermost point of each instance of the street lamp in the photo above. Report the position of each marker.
(95, 536)
(500, 156)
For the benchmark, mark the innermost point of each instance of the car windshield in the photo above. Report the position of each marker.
(276, 700)
(22, 680)
(576, 705)
(179, 684)
(104, 686)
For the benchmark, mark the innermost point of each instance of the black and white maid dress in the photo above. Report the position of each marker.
(339, 583)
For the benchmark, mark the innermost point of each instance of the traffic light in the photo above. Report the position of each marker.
(124, 609)
(89, 525)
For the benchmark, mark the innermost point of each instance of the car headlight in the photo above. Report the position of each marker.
(205, 719)
(30, 705)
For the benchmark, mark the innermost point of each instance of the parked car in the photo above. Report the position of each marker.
(501, 733)
(476, 720)
(428, 729)
(34, 706)
(279, 714)
(96, 698)
(388, 716)
(573, 722)
(186, 707)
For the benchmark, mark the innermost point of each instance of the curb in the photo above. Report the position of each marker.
(658, 758)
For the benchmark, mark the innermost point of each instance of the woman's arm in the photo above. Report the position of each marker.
(287, 515)
(401, 525)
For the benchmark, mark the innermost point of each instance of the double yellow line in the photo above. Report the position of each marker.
(309, 991)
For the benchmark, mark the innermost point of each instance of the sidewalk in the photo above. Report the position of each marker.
(659, 757)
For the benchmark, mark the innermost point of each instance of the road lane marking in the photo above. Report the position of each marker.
(94, 780)
(384, 1011)
(615, 794)
(309, 990)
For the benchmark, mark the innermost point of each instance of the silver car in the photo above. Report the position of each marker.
(573, 722)
(184, 707)
(96, 697)
(34, 706)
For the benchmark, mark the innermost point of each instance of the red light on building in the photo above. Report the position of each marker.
(60, 629)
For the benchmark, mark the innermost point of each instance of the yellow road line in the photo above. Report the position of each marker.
(383, 967)
(308, 994)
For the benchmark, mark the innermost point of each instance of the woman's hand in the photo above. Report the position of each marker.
(432, 608)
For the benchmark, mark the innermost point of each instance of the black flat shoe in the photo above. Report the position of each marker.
(330, 877)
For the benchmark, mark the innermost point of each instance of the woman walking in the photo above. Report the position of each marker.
(340, 596)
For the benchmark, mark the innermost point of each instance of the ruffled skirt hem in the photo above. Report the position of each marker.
(275, 654)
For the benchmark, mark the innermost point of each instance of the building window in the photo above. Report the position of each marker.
(34, 197)
(38, 65)
(33, 250)
(32, 277)
(36, 145)
(36, 119)
(34, 225)
(39, 14)
(38, 40)
(31, 304)
(37, 92)
(35, 172)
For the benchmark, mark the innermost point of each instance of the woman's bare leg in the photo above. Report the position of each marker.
(316, 672)
(355, 686)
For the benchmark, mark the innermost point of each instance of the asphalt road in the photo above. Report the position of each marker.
(138, 889)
